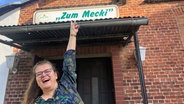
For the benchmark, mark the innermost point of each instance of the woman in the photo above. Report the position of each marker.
(46, 88)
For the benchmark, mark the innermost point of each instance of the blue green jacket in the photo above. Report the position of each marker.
(66, 93)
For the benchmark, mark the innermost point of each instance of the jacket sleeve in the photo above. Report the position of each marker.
(69, 69)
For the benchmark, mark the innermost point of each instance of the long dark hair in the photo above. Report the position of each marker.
(33, 90)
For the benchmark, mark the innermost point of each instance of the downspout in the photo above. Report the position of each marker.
(140, 69)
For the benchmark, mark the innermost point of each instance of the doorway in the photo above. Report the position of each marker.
(94, 80)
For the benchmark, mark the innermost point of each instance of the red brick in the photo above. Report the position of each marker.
(163, 39)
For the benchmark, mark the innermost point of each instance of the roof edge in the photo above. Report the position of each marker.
(66, 25)
(16, 3)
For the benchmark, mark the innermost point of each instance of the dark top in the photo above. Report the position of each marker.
(66, 93)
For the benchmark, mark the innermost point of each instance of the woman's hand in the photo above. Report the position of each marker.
(74, 28)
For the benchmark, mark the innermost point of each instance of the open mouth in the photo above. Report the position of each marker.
(46, 80)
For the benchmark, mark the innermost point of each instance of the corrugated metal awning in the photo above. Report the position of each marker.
(30, 37)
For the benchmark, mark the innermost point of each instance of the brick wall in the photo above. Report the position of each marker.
(17, 82)
(164, 64)
(58, 3)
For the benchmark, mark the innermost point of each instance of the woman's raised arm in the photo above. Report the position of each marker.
(74, 27)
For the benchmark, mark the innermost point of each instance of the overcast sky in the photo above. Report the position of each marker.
(3, 2)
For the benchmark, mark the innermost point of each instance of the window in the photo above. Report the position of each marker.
(121, 2)
(180, 23)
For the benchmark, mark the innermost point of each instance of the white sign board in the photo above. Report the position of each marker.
(77, 13)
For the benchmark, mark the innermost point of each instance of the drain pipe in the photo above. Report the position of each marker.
(140, 69)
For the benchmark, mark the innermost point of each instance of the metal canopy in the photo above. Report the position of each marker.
(30, 37)
(33, 36)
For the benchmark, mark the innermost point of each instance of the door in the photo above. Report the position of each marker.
(95, 82)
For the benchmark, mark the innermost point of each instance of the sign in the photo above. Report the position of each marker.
(77, 13)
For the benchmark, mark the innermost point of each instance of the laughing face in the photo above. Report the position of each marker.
(46, 77)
